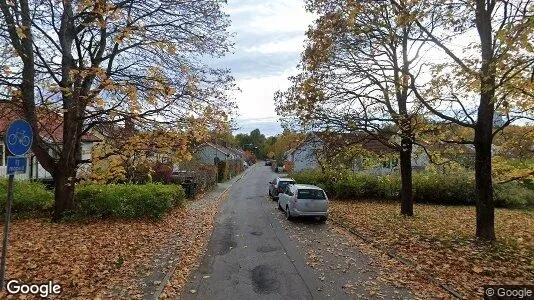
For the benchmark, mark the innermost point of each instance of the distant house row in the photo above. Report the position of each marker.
(308, 154)
(210, 153)
(51, 131)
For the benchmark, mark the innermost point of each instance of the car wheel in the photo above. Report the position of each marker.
(322, 219)
(288, 214)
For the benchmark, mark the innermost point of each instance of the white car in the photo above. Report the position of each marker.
(300, 200)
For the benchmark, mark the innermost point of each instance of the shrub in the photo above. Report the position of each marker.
(127, 201)
(514, 195)
(162, 173)
(223, 171)
(235, 167)
(206, 177)
(28, 196)
(389, 187)
(448, 189)
(139, 173)
(357, 186)
(428, 187)
(318, 178)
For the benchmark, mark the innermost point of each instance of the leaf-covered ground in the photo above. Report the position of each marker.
(439, 240)
(109, 259)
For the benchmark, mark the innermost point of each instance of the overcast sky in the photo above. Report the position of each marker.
(268, 38)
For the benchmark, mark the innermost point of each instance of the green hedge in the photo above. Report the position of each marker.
(28, 197)
(514, 194)
(428, 187)
(223, 173)
(449, 189)
(127, 201)
(227, 169)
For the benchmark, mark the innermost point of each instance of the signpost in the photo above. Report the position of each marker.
(18, 139)
(16, 165)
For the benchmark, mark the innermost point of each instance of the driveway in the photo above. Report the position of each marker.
(254, 253)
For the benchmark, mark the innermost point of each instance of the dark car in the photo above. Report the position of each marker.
(268, 163)
(278, 185)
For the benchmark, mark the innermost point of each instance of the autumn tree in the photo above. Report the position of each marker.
(255, 142)
(108, 61)
(514, 160)
(284, 142)
(356, 77)
(484, 72)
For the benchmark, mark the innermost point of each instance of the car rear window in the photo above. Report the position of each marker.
(283, 184)
(311, 194)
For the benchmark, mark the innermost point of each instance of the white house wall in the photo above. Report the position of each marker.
(34, 170)
(305, 158)
(207, 155)
(419, 158)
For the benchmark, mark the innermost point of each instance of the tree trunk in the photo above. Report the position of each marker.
(485, 209)
(406, 177)
(65, 174)
(64, 194)
(484, 188)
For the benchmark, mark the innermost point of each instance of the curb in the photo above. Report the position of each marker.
(168, 275)
(402, 260)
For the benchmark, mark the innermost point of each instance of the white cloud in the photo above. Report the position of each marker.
(256, 98)
(283, 21)
(269, 36)
(290, 45)
(269, 16)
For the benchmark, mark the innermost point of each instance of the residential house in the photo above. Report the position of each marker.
(50, 130)
(210, 153)
(319, 145)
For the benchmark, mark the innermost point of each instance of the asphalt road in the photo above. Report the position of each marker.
(254, 253)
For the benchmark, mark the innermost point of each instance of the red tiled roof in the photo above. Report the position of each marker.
(49, 122)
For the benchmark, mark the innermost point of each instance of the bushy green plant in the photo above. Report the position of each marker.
(223, 171)
(235, 167)
(127, 201)
(315, 177)
(206, 177)
(389, 186)
(452, 189)
(28, 196)
(514, 195)
(357, 186)
(456, 188)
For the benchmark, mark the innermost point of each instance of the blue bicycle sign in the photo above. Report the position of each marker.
(19, 137)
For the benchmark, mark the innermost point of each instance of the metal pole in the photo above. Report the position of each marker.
(7, 218)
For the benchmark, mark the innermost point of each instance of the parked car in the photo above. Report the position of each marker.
(268, 163)
(299, 200)
(278, 185)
